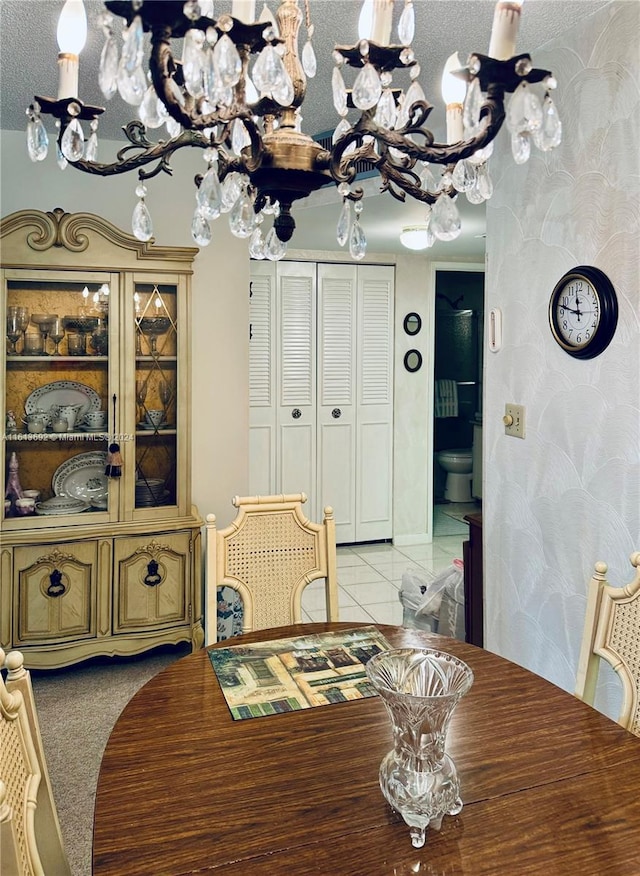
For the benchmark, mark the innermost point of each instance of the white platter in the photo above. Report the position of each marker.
(82, 477)
(63, 392)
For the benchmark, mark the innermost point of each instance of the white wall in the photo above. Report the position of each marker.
(220, 309)
(569, 494)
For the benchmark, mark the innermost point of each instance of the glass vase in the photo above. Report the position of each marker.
(420, 688)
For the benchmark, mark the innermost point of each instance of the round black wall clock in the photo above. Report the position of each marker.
(583, 312)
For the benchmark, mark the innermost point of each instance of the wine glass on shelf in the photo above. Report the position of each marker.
(164, 391)
(14, 332)
(56, 333)
(44, 321)
(23, 316)
(141, 394)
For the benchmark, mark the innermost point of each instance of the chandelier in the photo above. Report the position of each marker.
(236, 94)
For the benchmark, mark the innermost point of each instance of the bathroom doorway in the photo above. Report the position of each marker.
(457, 409)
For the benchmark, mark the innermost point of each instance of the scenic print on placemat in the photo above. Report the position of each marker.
(286, 675)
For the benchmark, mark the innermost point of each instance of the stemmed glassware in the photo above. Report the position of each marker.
(141, 395)
(56, 333)
(17, 322)
(164, 391)
(153, 327)
(14, 332)
(44, 321)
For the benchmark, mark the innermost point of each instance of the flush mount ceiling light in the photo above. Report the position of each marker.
(417, 237)
(236, 93)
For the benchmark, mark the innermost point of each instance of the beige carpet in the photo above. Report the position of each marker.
(77, 708)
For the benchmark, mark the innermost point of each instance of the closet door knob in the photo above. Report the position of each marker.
(296, 413)
(336, 413)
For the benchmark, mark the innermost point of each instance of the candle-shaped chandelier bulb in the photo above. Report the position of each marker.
(72, 36)
(453, 93)
(506, 19)
(365, 21)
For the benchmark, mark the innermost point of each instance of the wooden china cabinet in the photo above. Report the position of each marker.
(95, 353)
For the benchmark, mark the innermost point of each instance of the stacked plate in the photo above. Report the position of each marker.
(150, 493)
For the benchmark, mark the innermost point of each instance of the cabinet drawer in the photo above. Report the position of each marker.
(55, 592)
(152, 577)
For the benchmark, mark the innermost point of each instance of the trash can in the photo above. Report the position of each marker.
(434, 603)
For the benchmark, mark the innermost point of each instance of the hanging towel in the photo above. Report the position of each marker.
(446, 398)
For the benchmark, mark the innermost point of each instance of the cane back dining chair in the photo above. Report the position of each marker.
(30, 837)
(612, 632)
(269, 553)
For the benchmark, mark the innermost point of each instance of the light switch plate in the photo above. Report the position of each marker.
(513, 420)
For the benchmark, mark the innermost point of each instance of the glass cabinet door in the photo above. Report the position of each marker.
(57, 395)
(156, 394)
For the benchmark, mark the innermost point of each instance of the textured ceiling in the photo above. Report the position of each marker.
(28, 52)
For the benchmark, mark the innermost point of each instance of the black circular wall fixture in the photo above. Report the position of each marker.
(412, 323)
(413, 360)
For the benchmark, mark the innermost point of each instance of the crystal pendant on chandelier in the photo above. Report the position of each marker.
(141, 223)
(256, 245)
(367, 88)
(152, 112)
(209, 194)
(309, 63)
(274, 248)
(407, 24)
(464, 175)
(471, 107)
(60, 159)
(339, 90)
(132, 86)
(72, 143)
(192, 62)
(520, 147)
(242, 218)
(91, 149)
(549, 134)
(344, 223)
(445, 218)
(37, 139)
(133, 45)
(227, 62)
(357, 240)
(108, 70)
(200, 229)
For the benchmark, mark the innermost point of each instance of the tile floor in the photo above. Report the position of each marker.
(370, 576)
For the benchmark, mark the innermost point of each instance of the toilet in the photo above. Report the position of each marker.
(458, 463)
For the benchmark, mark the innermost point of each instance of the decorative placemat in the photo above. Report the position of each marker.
(286, 675)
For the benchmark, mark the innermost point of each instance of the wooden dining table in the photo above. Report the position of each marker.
(549, 785)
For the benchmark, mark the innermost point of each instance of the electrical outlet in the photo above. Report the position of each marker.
(514, 420)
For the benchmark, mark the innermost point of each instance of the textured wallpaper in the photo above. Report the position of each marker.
(569, 493)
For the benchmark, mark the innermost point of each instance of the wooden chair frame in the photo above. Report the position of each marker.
(30, 837)
(269, 554)
(612, 633)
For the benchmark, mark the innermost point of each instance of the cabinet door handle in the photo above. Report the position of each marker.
(336, 413)
(296, 413)
(56, 587)
(153, 576)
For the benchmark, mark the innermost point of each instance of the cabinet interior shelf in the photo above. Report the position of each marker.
(152, 359)
(29, 360)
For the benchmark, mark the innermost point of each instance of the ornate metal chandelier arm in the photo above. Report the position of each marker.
(151, 152)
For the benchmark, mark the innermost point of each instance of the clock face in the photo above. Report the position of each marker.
(577, 313)
(583, 312)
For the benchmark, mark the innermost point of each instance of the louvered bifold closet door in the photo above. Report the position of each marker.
(296, 381)
(337, 290)
(262, 380)
(374, 415)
